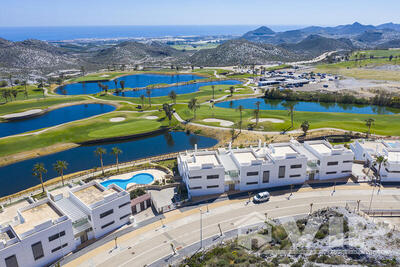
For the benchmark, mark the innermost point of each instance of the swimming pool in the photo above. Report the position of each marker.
(140, 178)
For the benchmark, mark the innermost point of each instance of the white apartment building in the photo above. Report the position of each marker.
(390, 149)
(45, 231)
(280, 164)
(39, 235)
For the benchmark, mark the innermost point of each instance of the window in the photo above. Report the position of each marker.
(252, 174)
(214, 176)
(107, 224)
(282, 171)
(123, 205)
(194, 187)
(58, 235)
(126, 215)
(265, 177)
(330, 172)
(345, 171)
(250, 183)
(58, 248)
(194, 177)
(333, 163)
(37, 250)
(11, 261)
(294, 175)
(108, 212)
(297, 166)
(318, 162)
(347, 161)
(212, 186)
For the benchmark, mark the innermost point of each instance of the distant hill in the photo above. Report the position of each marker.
(131, 52)
(349, 29)
(315, 45)
(241, 52)
(259, 33)
(389, 44)
(391, 26)
(370, 36)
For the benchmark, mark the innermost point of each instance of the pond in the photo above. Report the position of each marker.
(53, 117)
(131, 81)
(18, 176)
(267, 104)
(181, 89)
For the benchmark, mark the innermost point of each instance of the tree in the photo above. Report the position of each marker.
(59, 167)
(38, 171)
(116, 151)
(380, 160)
(83, 70)
(14, 93)
(369, 122)
(142, 97)
(193, 105)
(290, 107)
(116, 84)
(168, 112)
(24, 84)
(122, 83)
(240, 109)
(231, 89)
(257, 111)
(100, 152)
(172, 95)
(148, 93)
(213, 90)
(305, 126)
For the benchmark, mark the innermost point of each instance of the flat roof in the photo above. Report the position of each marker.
(373, 146)
(7, 235)
(321, 148)
(92, 194)
(206, 159)
(281, 151)
(37, 215)
(394, 156)
(244, 157)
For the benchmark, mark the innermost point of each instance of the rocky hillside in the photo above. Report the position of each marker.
(241, 52)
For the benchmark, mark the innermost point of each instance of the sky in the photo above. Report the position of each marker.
(190, 12)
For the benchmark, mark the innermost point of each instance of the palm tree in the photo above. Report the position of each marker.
(380, 160)
(59, 167)
(257, 111)
(290, 107)
(100, 152)
(116, 151)
(25, 83)
(369, 122)
(38, 171)
(231, 89)
(148, 93)
(213, 90)
(193, 105)
(168, 112)
(122, 83)
(116, 84)
(240, 109)
(305, 126)
(142, 97)
(172, 95)
(83, 70)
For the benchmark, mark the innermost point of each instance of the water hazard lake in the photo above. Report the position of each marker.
(18, 176)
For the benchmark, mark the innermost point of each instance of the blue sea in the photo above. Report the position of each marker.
(110, 32)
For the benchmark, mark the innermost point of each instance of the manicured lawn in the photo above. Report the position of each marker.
(20, 106)
(384, 124)
(376, 53)
(279, 67)
(89, 129)
(32, 92)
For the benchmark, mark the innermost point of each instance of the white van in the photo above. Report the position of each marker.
(261, 197)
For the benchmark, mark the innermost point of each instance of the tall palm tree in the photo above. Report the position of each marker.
(172, 95)
(193, 105)
(142, 97)
(380, 161)
(148, 93)
(213, 91)
(168, 112)
(231, 90)
(240, 109)
(116, 84)
(38, 171)
(305, 125)
(116, 151)
(369, 122)
(59, 167)
(290, 107)
(122, 83)
(100, 152)
(257, 111)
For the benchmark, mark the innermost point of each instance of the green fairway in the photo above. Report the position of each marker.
(22, 93)
(375, 53)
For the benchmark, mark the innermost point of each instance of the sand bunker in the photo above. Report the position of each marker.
(117, 119)
(221, 122)
(22, 114)
(269, 120)
(151, 117)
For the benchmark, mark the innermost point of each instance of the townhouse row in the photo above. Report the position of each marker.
(45, 231)
(279, 164)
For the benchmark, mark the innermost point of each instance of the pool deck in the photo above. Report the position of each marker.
(158, 176)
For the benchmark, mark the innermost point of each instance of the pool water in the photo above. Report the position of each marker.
(141, 178)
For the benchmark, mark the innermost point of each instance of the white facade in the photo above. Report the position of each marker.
(390, 149)
(262, 167)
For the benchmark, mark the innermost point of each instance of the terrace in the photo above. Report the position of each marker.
(93, 193)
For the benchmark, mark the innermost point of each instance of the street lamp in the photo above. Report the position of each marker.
(311, 204)
(201, 229)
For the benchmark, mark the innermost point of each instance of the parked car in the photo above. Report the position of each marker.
(261, 197)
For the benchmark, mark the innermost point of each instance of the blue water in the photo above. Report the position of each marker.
(180, 89)
(54, 117)
(18, 176)
(141, 178)
(309, 106)
(131, 81)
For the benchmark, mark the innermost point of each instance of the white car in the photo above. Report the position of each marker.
(261, 197)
